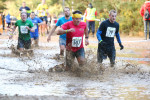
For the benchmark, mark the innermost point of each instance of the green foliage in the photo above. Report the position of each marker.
(128, 10)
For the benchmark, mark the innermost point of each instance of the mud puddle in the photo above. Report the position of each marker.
(21, 76)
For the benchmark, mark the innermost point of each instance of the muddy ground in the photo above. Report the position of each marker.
(29, 78)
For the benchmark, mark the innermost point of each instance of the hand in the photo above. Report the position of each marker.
(121, 46)
(102, 43)
(86, 42)
(27, 27)
(48, 39)
(71, 30)
(11, 36)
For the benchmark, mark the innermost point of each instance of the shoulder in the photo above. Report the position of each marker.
(116, 23)
(27, 7)
(29, 21)
(61, 18)
(18, 21)
(82, 23)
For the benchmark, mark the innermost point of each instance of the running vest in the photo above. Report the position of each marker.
(91, 14)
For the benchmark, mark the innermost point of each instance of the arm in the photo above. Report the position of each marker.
(62, 31)
(86, 36)
(41, 23)
(98, 34)
(52, 31)
(119, 41)
(13, 30)
(31, 29)
(118, 37)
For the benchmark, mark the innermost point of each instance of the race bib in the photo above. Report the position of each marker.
(43, 13)
(35, 26)
(23, 29)
(76, 41)
(110, 32)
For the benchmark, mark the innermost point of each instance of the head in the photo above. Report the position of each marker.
(43, 1)
(32, 15)
(67, 11)
(23, 4)
(112, 16)
(90, 5)
(23, 16)
(76, 15)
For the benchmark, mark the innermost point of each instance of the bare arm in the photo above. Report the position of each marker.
(13, 30)
(31, 29)
(86, 36)
(41, 23)
(50, 34)
(62, 31)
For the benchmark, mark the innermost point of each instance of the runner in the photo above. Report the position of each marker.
(62, 38)
(75, 31)
(25, 8)
(24, 27)
(42, 10)
(105, 35)
(35, 35)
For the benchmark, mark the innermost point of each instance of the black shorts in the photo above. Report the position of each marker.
(44, 19)
(104, 51)
(24, 43)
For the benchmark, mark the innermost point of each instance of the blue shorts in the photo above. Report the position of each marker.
(24, 43)
(34, 36)
(62, 41)
(70, 56)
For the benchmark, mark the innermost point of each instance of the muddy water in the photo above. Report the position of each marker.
(31, 77)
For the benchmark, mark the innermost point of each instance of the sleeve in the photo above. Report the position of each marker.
(118, 35)
(99, 32)
(142, 11)
(31, 24)
(16, 23)
(65, 26)
(28, 8)
(102, 26)
(58, 23)
(39, 20)
(95, 13)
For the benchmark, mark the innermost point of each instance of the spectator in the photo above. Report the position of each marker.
(145, 13)
(25, 8)
(8, 20)
(90, 15)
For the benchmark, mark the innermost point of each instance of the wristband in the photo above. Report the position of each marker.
(100, 41)
(87, 37)
(66, 31)
(11, 34)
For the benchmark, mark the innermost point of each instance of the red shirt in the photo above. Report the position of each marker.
(74, 40)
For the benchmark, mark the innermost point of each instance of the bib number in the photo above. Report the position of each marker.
(110, 32)
(76, 41)
(23, 29)
(43, 13)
